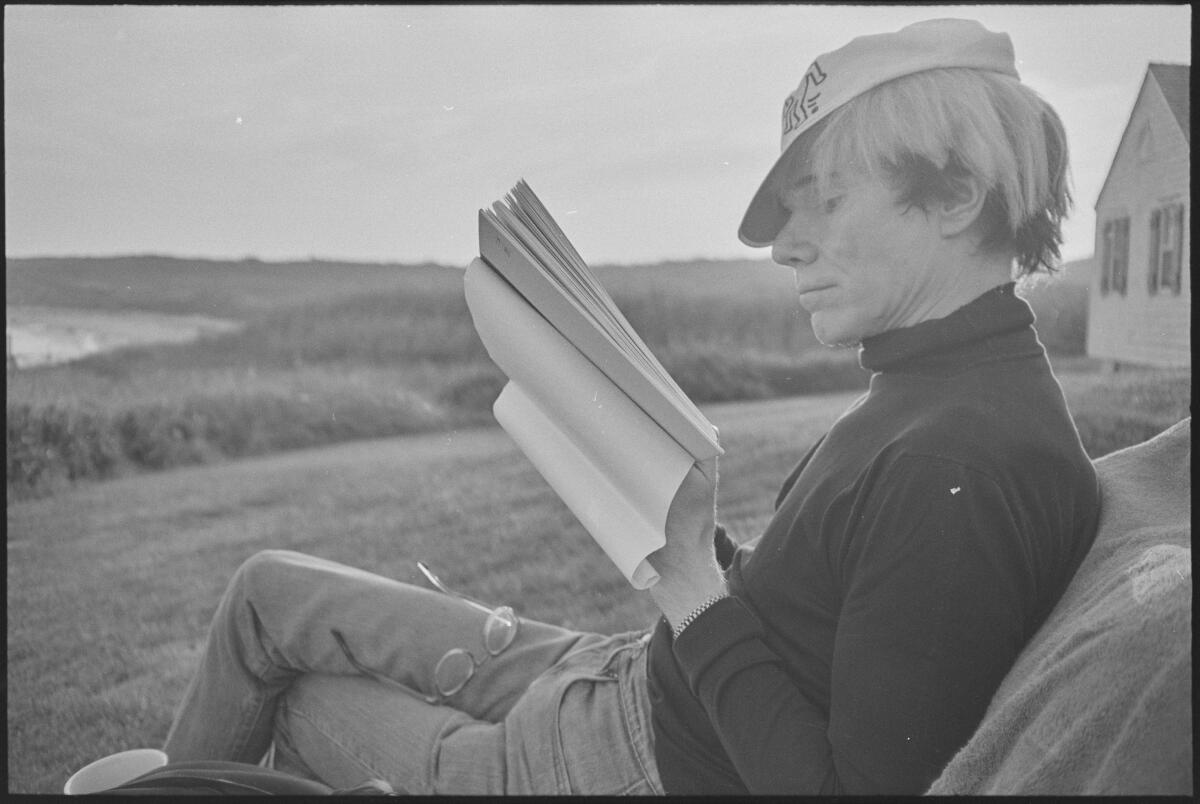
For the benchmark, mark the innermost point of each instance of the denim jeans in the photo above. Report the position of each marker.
(557, 712)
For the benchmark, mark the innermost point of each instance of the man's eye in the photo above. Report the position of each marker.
(830, 204)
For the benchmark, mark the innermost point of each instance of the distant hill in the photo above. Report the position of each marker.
(733, 279)
(218, 288)
(244, 289)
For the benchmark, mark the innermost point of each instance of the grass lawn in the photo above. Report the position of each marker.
(111, 585)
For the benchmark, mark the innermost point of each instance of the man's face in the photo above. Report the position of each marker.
(864, 265)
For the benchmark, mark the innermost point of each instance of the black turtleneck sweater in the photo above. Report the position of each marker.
(913, 552)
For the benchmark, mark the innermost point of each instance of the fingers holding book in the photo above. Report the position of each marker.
(687, 566)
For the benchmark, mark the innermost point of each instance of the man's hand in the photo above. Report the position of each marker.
(687, 566)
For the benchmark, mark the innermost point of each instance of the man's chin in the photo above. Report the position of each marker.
(835, 338)
(844, 343)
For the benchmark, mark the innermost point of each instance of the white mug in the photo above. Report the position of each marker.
(115, 769)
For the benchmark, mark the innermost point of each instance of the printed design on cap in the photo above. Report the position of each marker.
(801, 105)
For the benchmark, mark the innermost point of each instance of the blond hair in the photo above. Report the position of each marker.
(929, 130)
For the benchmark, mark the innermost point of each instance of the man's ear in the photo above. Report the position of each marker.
(962, 207)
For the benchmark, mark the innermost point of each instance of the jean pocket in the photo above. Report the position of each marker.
(571, 732)
(593, 750)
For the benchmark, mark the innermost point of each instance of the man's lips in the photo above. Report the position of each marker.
(804, 290)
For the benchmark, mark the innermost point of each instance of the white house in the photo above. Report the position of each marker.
(1140, 304)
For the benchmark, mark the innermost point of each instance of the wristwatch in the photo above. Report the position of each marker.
(677, 629)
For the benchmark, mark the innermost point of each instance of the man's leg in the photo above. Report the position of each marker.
(343, 731)
(582, 727)
(275, 623)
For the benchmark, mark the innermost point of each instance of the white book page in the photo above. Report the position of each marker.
(624, 532)
(612, 465)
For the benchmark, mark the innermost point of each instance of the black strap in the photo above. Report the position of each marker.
(221, 778)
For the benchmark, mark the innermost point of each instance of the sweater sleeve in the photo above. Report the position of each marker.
(934, 583)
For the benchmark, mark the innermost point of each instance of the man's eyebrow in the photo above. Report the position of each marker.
(800, 183)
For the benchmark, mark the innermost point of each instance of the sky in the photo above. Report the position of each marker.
(375, 133)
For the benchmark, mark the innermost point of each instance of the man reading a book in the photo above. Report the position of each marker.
(852, 647)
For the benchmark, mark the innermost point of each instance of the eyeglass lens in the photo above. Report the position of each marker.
(457, 666)
(500, 629)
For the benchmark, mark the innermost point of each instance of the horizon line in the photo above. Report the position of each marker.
(249, 258)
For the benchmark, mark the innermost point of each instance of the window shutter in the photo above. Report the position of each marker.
(1121, 268)
(1152, 264)
(1175, 279)
(1125, 255)
(1106, 254)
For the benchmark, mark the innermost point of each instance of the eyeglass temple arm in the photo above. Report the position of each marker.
(377, 676)
(436, 581)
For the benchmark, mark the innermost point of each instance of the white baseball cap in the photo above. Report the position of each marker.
(835, 78)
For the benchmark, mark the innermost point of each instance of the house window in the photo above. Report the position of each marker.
(1114, 266)
(1166, 248)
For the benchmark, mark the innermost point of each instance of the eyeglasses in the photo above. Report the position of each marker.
(457, 666)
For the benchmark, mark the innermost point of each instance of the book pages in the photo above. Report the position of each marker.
(611, 464)
(620, 360)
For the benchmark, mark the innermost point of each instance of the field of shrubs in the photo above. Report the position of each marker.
(402, 357)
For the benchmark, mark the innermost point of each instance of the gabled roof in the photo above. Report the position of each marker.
(1175, 82)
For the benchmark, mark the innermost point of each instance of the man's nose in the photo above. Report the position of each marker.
(792, 247)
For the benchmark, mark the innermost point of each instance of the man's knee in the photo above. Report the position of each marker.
(266, 569)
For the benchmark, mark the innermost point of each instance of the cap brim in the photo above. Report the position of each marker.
(765, 216)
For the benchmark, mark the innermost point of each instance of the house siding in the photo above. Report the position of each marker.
(1140, 326)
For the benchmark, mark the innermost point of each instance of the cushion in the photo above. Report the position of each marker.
(1100, 700)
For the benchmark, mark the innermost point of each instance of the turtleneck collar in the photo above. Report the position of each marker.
(995, 326)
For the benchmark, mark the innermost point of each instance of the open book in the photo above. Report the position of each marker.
(587, 402)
